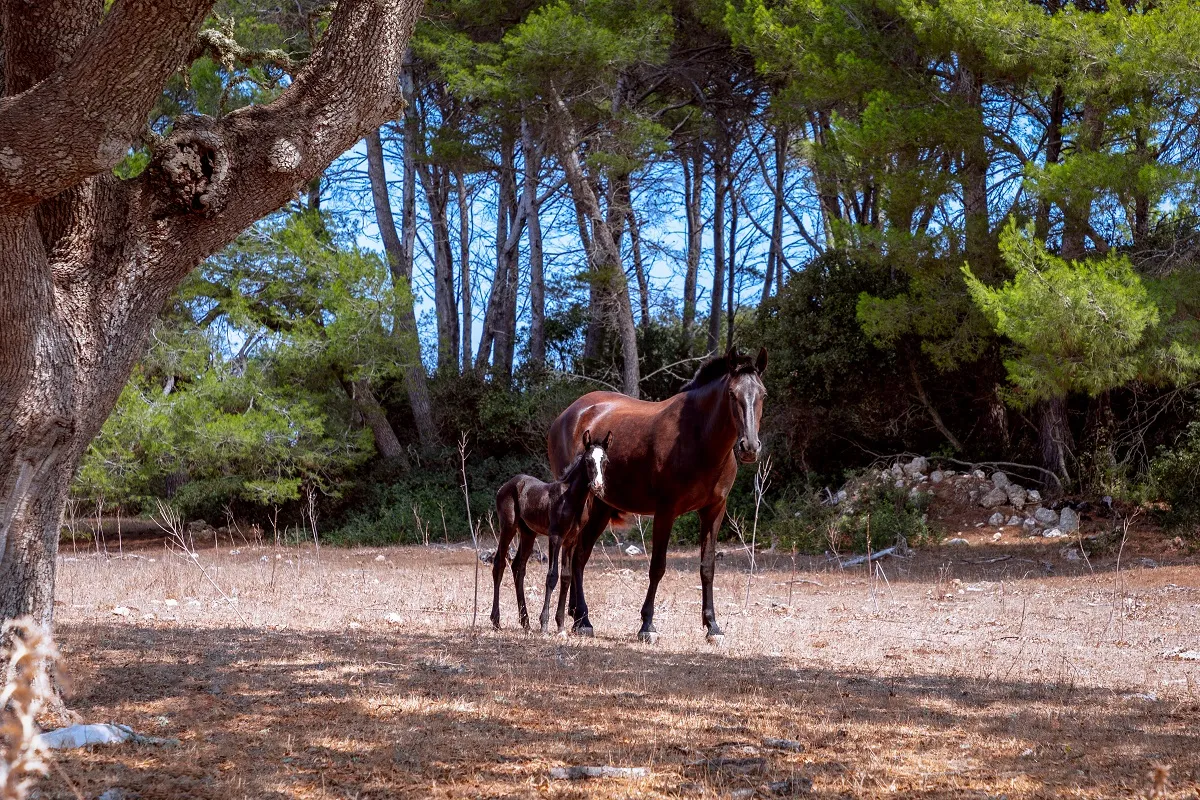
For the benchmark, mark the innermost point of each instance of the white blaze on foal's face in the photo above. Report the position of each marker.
(598, 457)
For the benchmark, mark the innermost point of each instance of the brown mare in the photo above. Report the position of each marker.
(669, 458)
(556, 510)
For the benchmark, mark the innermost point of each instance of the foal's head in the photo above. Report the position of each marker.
(595, 460)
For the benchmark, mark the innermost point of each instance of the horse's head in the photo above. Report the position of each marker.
(746, 394)
(595, 461)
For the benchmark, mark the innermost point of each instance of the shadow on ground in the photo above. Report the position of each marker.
(377, 713)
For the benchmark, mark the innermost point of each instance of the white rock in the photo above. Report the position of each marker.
(993, 498)
(1053, 533)
(999, 480)
(381, 557)
(1046, 516)
(842, 495)
(997, 536)
(122, 611)
(170, 602)
(979, 475)
(957, 541)
(918, 466)
(937, 476)
(1034, 496)
(1068, 520)
(394, 619)
(996, 519)
(1014, 520)
(1070, 554)
(633, 550)
(1016, 495)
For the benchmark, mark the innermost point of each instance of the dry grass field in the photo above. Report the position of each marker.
(994, 670)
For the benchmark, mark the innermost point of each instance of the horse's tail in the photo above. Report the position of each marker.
(508, 508)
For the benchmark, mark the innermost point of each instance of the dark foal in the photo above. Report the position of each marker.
(556, 510)
(670, 458)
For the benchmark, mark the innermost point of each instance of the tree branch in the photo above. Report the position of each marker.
(80, 120)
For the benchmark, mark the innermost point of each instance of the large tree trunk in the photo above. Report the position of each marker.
(1054, 437)
(1077, 209)
(87, 260)
(720, 189)
(400, 261)
(693, 196)
(981, 248)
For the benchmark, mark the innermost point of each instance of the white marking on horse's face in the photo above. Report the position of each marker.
(596, 454)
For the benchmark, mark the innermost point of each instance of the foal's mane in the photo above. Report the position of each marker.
(718, 367)
(572, 468)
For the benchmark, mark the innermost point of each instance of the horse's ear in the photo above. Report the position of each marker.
(607, 440)
(760, 365)
(587, 438)
(730, 355)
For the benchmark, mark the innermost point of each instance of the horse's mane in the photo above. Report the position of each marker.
(718, 367)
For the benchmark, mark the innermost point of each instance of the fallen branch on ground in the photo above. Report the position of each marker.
(854, 562)
(581, 773)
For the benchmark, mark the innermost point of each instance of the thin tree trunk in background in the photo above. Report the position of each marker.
(531, 154)
(775, 254)
(464, 259)
(506, 326)
(718, 287)
(1077, 212)
(593, 337)
(693, 196)
(400, 261)
(639, 269)
(981, 251)
(606, 242)
(732, 280)
(1054, 142)
(435, 180)
(374, 417)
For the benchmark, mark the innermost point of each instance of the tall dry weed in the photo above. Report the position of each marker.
(32, 656)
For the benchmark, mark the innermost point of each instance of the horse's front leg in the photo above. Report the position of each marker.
(508, 529)
(663, 522)
(518, 569)
(551, 579)
(710, 523)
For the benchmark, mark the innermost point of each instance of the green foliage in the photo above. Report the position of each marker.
(1084, 326)
(877, 514)
(1175, 479)
(225, 436)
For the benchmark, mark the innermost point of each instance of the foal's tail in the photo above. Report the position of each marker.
(508, 512)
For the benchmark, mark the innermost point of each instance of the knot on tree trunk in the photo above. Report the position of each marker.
(191, 169)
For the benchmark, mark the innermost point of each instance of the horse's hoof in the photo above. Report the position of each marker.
(715, 638)
(585, 631)
(648, 637)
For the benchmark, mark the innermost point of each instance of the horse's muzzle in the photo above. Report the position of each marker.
(744, 454)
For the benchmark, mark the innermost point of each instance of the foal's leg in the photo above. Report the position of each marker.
(601, 515)
(710, 523)
(518, 569)
(658, 565)
(568, 556)
(506, 511)
(554, 548)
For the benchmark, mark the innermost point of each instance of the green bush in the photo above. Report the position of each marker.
(1175, 479)
(875, 509)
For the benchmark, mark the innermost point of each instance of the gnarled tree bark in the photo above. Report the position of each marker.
(87, 260)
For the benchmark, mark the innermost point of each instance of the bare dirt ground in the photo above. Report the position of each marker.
(998, 669)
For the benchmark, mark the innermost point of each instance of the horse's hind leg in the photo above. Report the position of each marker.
(506, 512)
(555, 547)
(518, 570)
